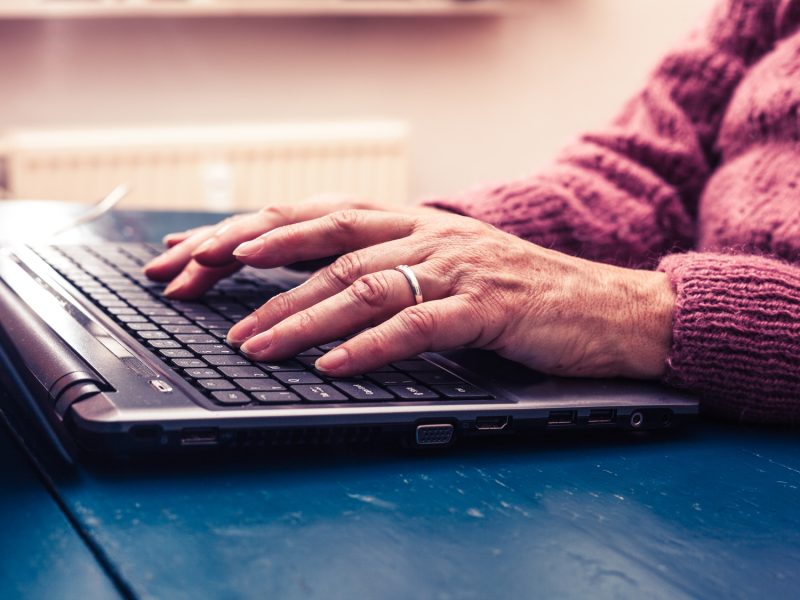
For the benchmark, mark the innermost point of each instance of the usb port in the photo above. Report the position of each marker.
(561, 417)
(200, 436)
(601, 415)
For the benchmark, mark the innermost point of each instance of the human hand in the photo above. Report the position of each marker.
(482, 287)
(198, 258)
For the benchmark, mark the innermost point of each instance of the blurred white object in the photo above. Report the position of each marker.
(229, 167)
(218, 180)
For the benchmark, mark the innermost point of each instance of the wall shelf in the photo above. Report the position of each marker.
(43, 9)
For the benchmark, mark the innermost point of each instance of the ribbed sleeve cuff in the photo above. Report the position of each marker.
(736, 335)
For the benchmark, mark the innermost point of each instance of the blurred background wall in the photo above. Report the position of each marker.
(484, 98)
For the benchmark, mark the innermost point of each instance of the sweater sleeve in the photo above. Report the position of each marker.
(629, 194)
(736, 335)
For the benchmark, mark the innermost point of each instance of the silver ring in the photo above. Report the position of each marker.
(412, 281)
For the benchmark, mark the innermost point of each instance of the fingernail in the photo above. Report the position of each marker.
(204, 247)
(176, 284)
(258, 343)
(249, 248)
(333, 360)
(153, 263)
(242, 330)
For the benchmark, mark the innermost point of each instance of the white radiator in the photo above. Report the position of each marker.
(220, 167)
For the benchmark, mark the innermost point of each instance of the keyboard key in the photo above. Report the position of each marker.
(131, 294)
(202, 373)
(203, 349)
(112, 304)
(142, 326)
(413, 392)
(330, 345)
(243, 372)
(296, 377)
(226, 306)
(175, 353)
(414, 365)
(118, 312)
(463, 391)
(363, 390)
(228, 360)
(183, 329)
(131, 318)
(276, 397)
(190, 363)
(307, 361)
(200, 313)
(146, 304)
(311, 352)
(259, 385)
(154, 335)
(161, 320)
(284, 365)
(391, 378)
(233, 397)
(163, 344)
(437, 377)
(195, 338)
(319, 393)
(158, 312)
(216, 384)
(218, 324)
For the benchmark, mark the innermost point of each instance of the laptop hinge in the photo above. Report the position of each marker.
(80, 390)
(51, 361)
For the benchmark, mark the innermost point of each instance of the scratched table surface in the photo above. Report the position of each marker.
(710, 511)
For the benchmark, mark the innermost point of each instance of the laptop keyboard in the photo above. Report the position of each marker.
(190, 337)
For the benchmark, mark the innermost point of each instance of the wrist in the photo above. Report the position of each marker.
(645, 313)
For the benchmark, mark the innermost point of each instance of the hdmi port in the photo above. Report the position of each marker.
(561, 417)
(492, 423)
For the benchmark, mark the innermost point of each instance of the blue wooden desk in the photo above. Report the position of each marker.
(41, 554)
(708, 512)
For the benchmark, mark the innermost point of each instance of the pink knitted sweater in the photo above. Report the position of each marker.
(699, 177)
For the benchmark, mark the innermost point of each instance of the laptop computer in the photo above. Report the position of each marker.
(115, 369)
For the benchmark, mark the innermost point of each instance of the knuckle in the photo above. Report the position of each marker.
(280, 305)
(291, 236)
(371, 289)
(345, 269)
(346, 221)
(304, 320)
(376, 341)
(275, 213)
(360, 203)
(419, 320)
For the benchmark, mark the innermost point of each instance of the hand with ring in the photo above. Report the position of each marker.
(413, 280)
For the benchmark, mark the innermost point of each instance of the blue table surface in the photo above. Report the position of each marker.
(40, 551)
(710, 511)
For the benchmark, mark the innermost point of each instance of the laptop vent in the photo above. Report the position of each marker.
(224, 167)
